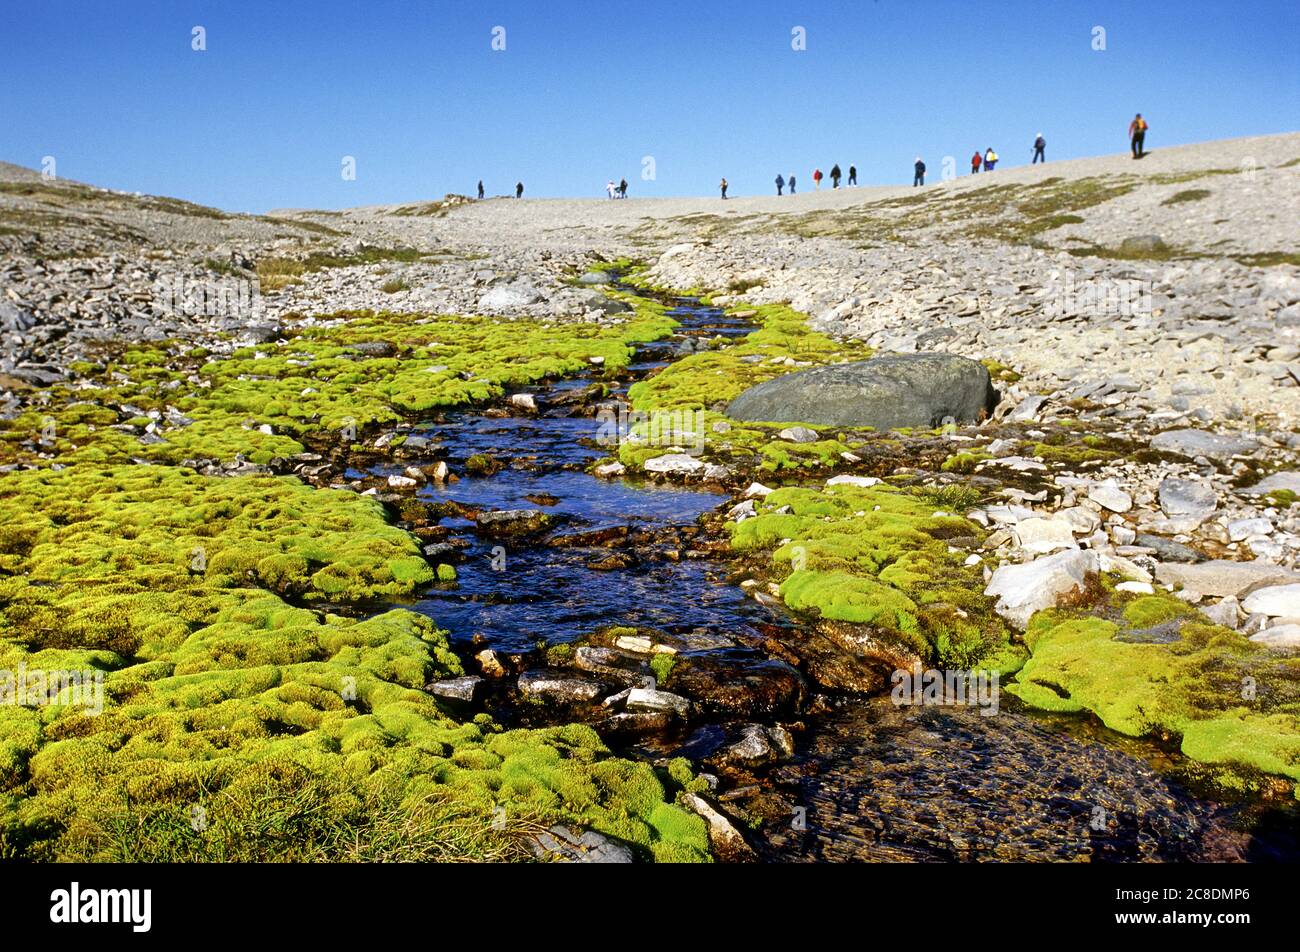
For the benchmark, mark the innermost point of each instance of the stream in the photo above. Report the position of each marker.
(869, 780)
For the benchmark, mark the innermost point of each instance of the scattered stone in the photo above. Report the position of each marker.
(462, 690)
(1022, 590)
(1276, 601)
(798, 434)
(1221, 577)
(1193, 443)
(561, 844)
(559, 688)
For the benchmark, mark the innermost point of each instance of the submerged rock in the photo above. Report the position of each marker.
(899, 390)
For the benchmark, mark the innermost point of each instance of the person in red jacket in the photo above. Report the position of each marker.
(976, 161)
(817, 178)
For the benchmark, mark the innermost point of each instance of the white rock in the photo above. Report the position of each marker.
(1022, 590)
(1122, 535)
(1280, 636)
(401, 482)
(1221, 577)
(757, 490)
(798, 434)
(1084, 521)
(677, 463)
(609, 470)
(1044, 535)
(742, 511)
(1241, 529)
(1137, 588)
(648, 699)
(525, 401)
(973, 559)
(846, 480)
(1276, 601)
(1226, 612)
(1110, 496)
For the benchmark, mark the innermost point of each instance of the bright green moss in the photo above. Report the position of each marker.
(1147, 611)
(876, 556)
(1234, 704)
(446, 573)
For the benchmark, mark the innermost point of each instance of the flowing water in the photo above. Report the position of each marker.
(869, 780)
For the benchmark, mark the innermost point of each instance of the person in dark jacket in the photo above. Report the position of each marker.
(919, 177)
(480, 189)
(835, 176)
(1137, 134)
(723, 185)
(853, 175)
(1039, 145)
(622, 188)
(791, 183)
(780, 183)
(519, 190)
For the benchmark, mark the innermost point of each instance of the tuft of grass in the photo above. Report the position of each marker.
(393, 285)
(1187, 195)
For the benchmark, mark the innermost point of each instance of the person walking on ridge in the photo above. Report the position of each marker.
(853, 175)
(609, 188)
(519, 190)
(990, 159)
(622, 188)
(480, 190)
(835, 175)
(723, 186)
(1039, 145)
(780, 183)
(1137, 134)
(817, 180)
(976, 161)
(919, 177)
(791, 183)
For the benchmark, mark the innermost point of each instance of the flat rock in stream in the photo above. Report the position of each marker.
(898, 390)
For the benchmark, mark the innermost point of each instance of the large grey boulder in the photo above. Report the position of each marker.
(899, 390)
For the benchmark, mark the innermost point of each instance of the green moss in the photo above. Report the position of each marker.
(964, 462)
(1233, 703)
(446, 573)
(1187, 195)
(661, 665)
(876, 556)
(1146, 611)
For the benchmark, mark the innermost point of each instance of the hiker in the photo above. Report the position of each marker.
(990, 159)
(480, 190)
(723, 186)
(791, 183)
(1039, 145)
(853, 175)
(976, 161)
(622, 188)
(519, 190)
(919, 177)
(1137, 133)
(609, 188)
(817, 179)
(780, 183)
(835, 175)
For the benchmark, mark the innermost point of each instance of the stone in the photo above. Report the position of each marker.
(757, 490)
(1045, 535)
(508, 297)
(559, 688)
(1285, 481)
(524, 401)
(648, 699)
(1024, 589)
(1279, 636)
(724, 839)
(1187, 497)
(463, 690)
(1226, 612)
(1241, 529)
(1027, 409)
(1108, 495)
(610, 470)
(512, 521)
(1167, 549)
(1143, 244)
(899, 390)
(1193, 443)
(759, 745)
(1276, 601)
(679, 464)
(490, 664)
(798, 434)
(1136, 588)
(595, 277)
(1221, 577)
(561, 844)
(846, 480)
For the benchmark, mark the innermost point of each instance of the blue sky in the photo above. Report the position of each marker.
(413, 90)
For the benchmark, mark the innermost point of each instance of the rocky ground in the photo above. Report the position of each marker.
(1140, 322)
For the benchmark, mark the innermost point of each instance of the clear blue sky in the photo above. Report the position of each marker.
(413, 90)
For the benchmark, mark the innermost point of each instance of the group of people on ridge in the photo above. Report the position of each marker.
(616, 191)
(817, 176)
(519, 189)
